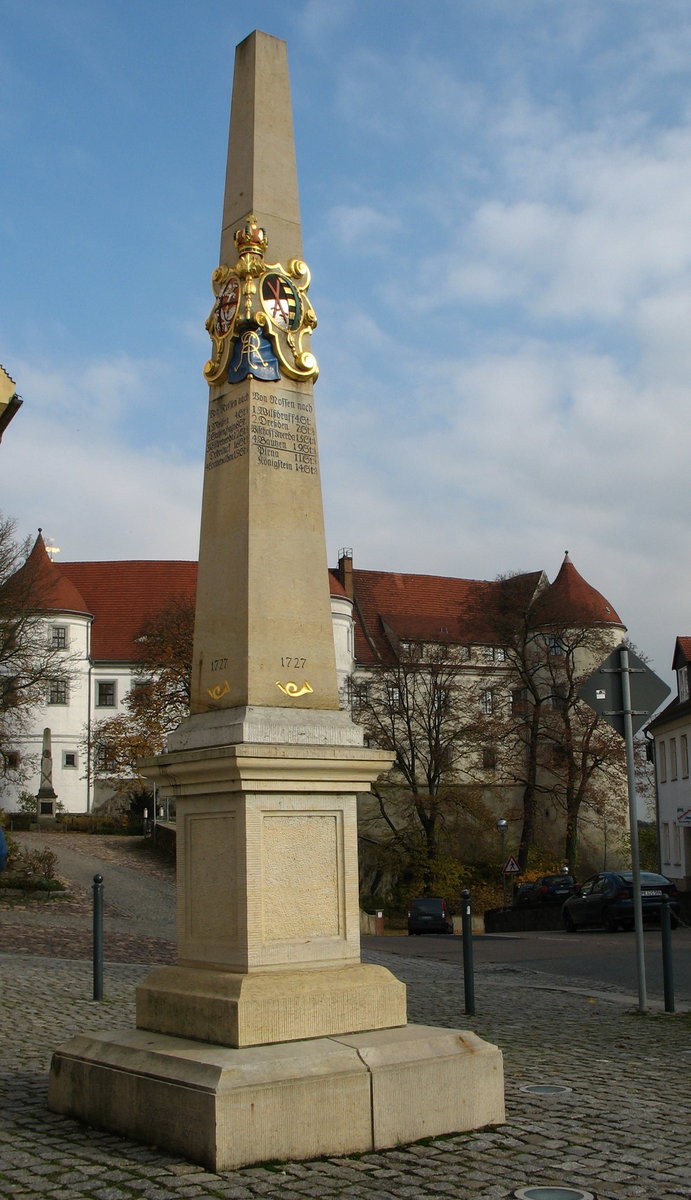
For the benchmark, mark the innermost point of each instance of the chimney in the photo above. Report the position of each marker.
(345, 571)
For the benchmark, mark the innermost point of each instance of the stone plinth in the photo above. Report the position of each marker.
(296, 1100)
(253, 1010)
(268, 920)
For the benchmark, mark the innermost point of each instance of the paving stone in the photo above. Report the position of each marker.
(616, 1134)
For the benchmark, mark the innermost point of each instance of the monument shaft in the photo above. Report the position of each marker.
(263, 633)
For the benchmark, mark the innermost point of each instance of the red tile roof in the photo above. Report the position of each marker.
(336, 588)
(682, 652)
(570, 600)
(426, 607)
(123, 595)
(53, 590)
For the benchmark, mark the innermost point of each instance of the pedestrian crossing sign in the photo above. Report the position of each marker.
(511, 867)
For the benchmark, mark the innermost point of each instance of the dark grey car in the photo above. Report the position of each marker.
(429, 914)
(607, 899)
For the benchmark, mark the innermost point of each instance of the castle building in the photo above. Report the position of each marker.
(94, 612)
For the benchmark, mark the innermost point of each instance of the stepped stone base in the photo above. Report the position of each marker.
(276, 1006)
(227, 1108)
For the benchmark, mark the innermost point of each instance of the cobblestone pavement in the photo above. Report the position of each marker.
(621, 1132)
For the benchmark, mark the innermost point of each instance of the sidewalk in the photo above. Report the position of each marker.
(620, 1133)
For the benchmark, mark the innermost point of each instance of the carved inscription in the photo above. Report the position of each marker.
(227, 436)
(282, 429)
(279, 429)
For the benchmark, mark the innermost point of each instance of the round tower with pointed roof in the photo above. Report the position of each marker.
(41, 589)
(571, 600)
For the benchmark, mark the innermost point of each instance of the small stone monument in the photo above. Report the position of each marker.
(269, 1039)
(46, 797)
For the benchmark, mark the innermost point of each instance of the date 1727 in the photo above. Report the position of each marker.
(297, 664)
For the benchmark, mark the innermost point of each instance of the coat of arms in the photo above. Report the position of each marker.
(261, 315)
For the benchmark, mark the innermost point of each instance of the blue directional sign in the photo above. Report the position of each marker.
(603, 691)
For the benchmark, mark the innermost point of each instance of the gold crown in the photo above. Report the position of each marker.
(251, 237)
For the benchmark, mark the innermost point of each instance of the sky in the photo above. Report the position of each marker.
(496, 210)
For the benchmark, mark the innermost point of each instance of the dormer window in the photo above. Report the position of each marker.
(683, 683)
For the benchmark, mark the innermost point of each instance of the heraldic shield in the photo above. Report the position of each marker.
(261, 315)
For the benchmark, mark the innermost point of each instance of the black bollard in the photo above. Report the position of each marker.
(98, 937)
(667, 968)
(468, 979)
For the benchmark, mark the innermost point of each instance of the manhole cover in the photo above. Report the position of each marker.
(553, 1193)
(546, 1089)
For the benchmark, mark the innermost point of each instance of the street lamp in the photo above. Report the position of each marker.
(502, 826)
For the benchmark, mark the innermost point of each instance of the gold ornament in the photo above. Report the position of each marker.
(262, 296)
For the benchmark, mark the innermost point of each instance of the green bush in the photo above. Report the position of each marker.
(18, 881)
(128, 824)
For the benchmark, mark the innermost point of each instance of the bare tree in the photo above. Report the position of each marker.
(553, 746)
(30, 663)
(157, 702)
(421, 708)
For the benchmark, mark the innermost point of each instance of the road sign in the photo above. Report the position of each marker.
(684, 816)
(511, 867)
(626, 693)
(603, 691)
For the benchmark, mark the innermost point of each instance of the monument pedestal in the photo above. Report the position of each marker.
(292, 1100)
(270, 1039)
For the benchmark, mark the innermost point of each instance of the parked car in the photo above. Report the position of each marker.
(548, 889)
(607, 899)
(429, 914)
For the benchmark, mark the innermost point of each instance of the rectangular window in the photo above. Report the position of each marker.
(487, 700)
(684, 749)
(12, 760)
(519, 701)
(555, 645)
(69, 758)
(662, 762)
(672, 758)
(683, 683)
(105, 693)
(57, 692)
(676, 845)
(489, 758)
(358, 695)
(58, 637)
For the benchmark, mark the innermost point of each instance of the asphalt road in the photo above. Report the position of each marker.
(603, 959)
(139, 892)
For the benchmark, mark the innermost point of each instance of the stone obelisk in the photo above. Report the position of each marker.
(269, 1038)
(46, 796)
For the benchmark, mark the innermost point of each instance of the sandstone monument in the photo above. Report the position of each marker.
(269, 1038)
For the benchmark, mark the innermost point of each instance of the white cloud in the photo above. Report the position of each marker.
(71, 462)
(319, 22)
(361, 224)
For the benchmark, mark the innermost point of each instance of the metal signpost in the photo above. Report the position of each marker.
(626, 693)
